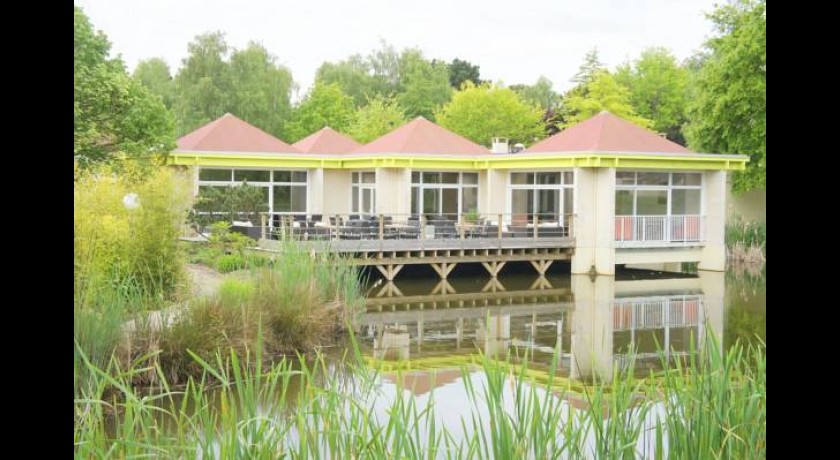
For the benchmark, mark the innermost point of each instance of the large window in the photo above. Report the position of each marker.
(657, 194)
(364, 193)
(444, 193)
(547, 195)
(284, 191)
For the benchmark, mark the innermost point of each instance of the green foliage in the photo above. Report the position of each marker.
(203, 84)
(591, 67)
(424, 85)
(134, 252)
(744, 236)
(353, 76)
(364, 77)
(230, 262)
(224, 241)
(419, 85)
(297, 303)
(461, 71)
(728, 111)
(380, 115)
(260, 88)
(480, 113)
(658, 90)
(603, 92)
(325, 105)
(112, 113)
(227, 204)
(215, 79)
(154, 75)
(713, 406)
(540, 94)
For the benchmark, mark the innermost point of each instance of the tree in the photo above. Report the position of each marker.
(658, 90)
(112, 113)
(728, 113)
(603, 92)
(260, 89)
(363, 77)
(352, 75)
(203, 85)
(154, 75)
(424, 86)
(482, 112)
(540, 94)
(378, 117)
(325, 105)
(461, 71)
(590, 68)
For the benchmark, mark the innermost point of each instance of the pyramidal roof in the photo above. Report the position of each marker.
(326, 140)
(606, 132)
(422, 136)
(231, 134)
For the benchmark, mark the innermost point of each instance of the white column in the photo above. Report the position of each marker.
(315, 203)
(713, 285)
(592, 328)
(713, 256)
(494, 334)
(493, 192)
(392, 191)
(594, 227)
(337, 186)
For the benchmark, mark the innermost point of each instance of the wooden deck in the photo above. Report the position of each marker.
(390, 256)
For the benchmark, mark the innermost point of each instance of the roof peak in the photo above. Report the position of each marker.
(422, 136)
(607, 132)
(327, 140)
(230, 133)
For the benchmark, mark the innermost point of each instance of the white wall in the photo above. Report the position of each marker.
(594, 227)
(336, 192)
(713, 256)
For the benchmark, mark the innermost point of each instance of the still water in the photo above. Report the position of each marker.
(592, 324)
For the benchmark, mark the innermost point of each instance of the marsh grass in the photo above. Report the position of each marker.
(711, 406)
(298, 300)
(746, 241)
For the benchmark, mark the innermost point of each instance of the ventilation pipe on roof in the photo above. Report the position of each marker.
(500, 145)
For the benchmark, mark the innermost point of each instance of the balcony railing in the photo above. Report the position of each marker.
(418, 227)
(651, 231)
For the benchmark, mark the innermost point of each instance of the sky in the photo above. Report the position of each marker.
(512, 41)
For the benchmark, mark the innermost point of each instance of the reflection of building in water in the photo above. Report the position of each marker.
(595, 324)
(391, 342)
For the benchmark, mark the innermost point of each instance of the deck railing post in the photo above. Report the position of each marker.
(381, 227)
(422, 227)
(499, 229)
(263, 223)
(536, 225)
(462, 223)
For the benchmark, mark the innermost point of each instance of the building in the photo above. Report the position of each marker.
(602, 192)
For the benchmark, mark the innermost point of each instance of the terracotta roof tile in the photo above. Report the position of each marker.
(327, 140)
(606, 132)
(231, 134)
(422, 136)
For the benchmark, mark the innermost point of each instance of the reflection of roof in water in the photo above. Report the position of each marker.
(421, 382)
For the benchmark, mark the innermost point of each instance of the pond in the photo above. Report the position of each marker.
(590, 323)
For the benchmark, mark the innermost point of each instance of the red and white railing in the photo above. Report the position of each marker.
(641, 231)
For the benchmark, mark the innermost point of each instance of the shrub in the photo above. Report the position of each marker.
(229, 262)
(133, 252)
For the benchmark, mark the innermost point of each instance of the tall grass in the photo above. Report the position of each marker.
(124, 261)
(132, 253)
(299, 301)
(746, 240)
(714, 406)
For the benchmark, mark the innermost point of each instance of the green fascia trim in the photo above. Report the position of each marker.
(514, 162)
